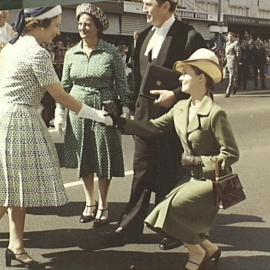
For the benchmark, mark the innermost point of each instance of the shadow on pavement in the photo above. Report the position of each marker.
(116, 260)
(75, 209)
(95, 254)
(127, 260)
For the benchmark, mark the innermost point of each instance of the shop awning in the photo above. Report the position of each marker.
(264, 5)
(237, 3)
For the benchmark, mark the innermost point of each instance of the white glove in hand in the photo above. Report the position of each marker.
(126, 112)
(60, 119)
(96, 115)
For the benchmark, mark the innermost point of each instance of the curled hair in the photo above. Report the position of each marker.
(32, 23)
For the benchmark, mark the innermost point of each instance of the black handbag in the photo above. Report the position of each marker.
(228, 189)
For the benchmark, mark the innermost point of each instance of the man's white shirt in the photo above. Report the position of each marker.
(158, 37)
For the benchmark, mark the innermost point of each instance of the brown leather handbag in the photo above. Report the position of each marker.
(228, 189)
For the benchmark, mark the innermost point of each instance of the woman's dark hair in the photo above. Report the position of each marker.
(172, 3)
(96, 22)
(209, 81)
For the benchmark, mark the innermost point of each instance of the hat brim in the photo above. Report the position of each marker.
(209, 67)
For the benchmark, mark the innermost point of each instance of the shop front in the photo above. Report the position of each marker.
(257, 27)
(201, 21)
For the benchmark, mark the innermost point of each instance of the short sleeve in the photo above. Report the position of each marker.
(43, 68)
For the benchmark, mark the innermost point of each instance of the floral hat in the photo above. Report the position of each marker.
(93, 11)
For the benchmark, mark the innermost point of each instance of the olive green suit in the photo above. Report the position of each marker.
(188, 211)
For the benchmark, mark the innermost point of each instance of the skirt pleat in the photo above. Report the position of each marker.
(29, 167)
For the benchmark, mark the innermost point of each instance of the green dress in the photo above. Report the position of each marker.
(90, 146)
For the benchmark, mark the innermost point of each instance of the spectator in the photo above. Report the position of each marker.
(243, 65)
(232, 53)
(93, 72)
(6, 31)
(258, 61)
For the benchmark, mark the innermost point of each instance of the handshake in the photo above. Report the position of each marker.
(105, 116)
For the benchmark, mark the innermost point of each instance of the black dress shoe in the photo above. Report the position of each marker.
(11, 256)
(91, 217)
(118, 237)
(169, 243)
(101, 221)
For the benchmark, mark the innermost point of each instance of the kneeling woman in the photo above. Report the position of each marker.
(188, 212)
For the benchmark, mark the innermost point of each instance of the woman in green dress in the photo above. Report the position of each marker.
(93, 72)
(188, 211)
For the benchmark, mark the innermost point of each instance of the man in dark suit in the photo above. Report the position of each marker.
(156, 164)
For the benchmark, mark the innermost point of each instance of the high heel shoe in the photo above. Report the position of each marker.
(101, 221)
(215, 256)
(91, 217)
(10, 256)
(200, 265)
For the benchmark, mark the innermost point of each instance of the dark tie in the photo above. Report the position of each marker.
(150, 56)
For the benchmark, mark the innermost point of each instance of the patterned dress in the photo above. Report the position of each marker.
(90, 146)
(29, 168)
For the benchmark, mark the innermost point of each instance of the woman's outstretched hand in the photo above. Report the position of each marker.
(95, 115)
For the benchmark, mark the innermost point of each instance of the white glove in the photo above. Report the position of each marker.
(60, 119)
(95, 115)
(126, 112)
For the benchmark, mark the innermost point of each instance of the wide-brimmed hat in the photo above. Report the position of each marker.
(206, 61)
(93, 11)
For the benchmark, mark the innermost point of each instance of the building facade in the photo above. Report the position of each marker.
(207, 16)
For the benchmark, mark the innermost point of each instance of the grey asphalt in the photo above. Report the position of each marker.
(59, 241)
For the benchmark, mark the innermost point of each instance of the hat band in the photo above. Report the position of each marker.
(50, 13)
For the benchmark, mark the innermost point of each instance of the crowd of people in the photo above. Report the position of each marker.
(249, 59)
(176, 147)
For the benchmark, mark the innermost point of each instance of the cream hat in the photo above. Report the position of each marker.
(206, 61)
(93, 11)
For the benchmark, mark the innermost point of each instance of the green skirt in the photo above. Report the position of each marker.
(187, 213)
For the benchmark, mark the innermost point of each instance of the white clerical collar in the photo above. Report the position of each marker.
(158, 37)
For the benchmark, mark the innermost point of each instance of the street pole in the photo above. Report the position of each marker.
(219, 25)
(219, 13)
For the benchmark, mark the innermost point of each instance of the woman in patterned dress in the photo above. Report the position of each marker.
(93, 72)
(189, 210)
(29, 168)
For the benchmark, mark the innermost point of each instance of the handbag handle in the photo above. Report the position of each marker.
(217, 170)
(216, 186)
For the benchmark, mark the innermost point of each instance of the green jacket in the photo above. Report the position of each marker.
(209, 135)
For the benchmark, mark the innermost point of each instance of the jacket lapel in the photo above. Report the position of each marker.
(182, 118)
(163, 53)
(203, 111)
(144, 44)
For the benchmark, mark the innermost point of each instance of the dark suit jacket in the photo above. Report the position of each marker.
(181, 41)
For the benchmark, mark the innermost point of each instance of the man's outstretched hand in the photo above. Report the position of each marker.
(165, 98)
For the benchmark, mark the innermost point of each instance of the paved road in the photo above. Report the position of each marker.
(55, 237)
